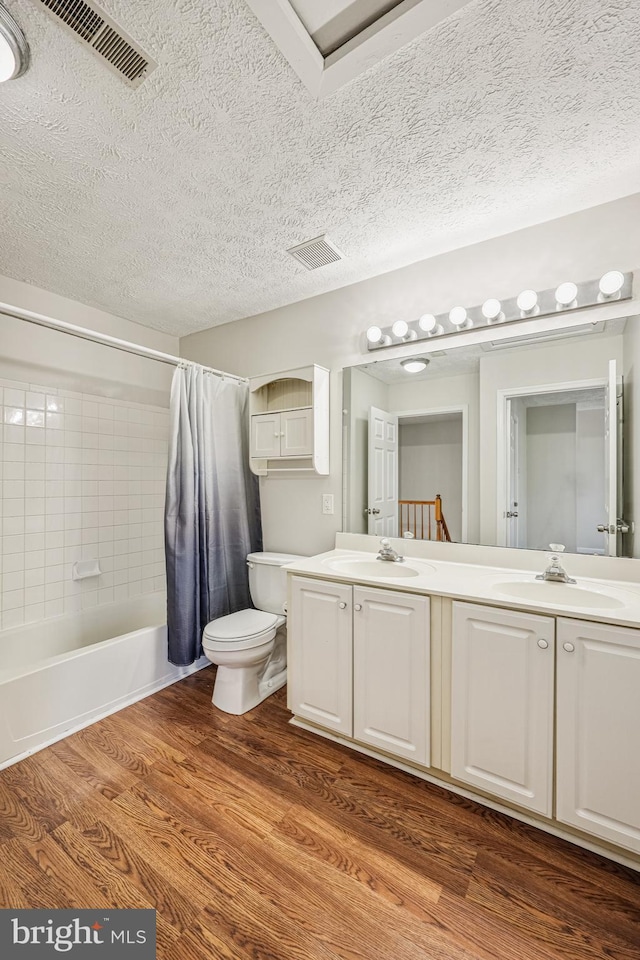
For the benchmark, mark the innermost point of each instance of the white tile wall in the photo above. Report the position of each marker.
(81, 477)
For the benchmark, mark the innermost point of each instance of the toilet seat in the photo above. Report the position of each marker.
(243, 629)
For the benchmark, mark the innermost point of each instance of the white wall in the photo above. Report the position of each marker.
(34, 354)
(590, 486)
(329, 330)
(551, 476)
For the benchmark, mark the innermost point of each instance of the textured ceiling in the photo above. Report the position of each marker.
(173, 205)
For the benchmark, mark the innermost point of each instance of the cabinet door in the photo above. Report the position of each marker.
(321, 673)
(502, 704)
(296, 433)
(265, 435)
(391, 672)
(598, 741)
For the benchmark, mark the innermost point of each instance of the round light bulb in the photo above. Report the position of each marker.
(491, 309)
(414, 365)
(427, 322)
(566, 294)
(374, 334)
(527, 301)
(400, 328)
(458, 316)
(611, 283)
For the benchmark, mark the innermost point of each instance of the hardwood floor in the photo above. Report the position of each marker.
(254, 839)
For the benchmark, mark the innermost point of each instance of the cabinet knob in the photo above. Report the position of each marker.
(342, 605)
(569, 647)
(276, 434)
(358, 606)
(543, 644)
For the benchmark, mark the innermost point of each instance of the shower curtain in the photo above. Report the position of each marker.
(212, 511)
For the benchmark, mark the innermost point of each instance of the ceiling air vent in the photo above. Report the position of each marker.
(316, 253)
(100, 33)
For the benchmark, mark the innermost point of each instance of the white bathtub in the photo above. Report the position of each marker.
(63, 674)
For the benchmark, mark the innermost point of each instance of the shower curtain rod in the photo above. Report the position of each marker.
(103, 338)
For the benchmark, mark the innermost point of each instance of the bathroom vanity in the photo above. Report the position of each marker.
(520, 693)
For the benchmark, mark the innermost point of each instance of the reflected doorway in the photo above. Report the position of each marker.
(417, 473)
(556, 470)
(430, 460)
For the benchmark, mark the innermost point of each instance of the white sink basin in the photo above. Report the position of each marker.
(544, 591)
(380, 569)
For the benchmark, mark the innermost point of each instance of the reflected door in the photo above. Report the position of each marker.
(517, 478)
(382, 507)
(612, 399)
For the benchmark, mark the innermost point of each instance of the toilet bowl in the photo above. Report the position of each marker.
(249, 646)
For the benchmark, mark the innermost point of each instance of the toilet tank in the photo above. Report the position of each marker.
(268, 581)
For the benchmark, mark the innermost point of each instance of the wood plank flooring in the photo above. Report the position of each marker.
(254, 839)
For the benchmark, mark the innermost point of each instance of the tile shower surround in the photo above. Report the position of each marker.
(81, 476)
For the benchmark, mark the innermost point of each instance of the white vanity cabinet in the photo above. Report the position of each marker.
(598, 730)
(361, 664)
(502, 687)
(535, 713)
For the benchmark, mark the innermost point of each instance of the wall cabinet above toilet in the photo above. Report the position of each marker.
(290, 422)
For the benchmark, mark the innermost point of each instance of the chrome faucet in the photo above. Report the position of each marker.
(555, 572)
(387, 552)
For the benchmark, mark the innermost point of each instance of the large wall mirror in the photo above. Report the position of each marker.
(518, 443)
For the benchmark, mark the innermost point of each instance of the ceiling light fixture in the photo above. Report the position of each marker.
(568, 297)
(414, 364)
(14, 49)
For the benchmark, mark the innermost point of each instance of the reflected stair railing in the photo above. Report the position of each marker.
(424, 519)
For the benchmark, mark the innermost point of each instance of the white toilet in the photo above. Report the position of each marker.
(250, 646)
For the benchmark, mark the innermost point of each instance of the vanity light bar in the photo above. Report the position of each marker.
(564, 298)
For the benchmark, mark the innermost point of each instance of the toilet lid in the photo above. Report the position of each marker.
(274, 559)
(240, 625)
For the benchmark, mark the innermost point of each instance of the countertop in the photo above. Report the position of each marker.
(605, 601)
